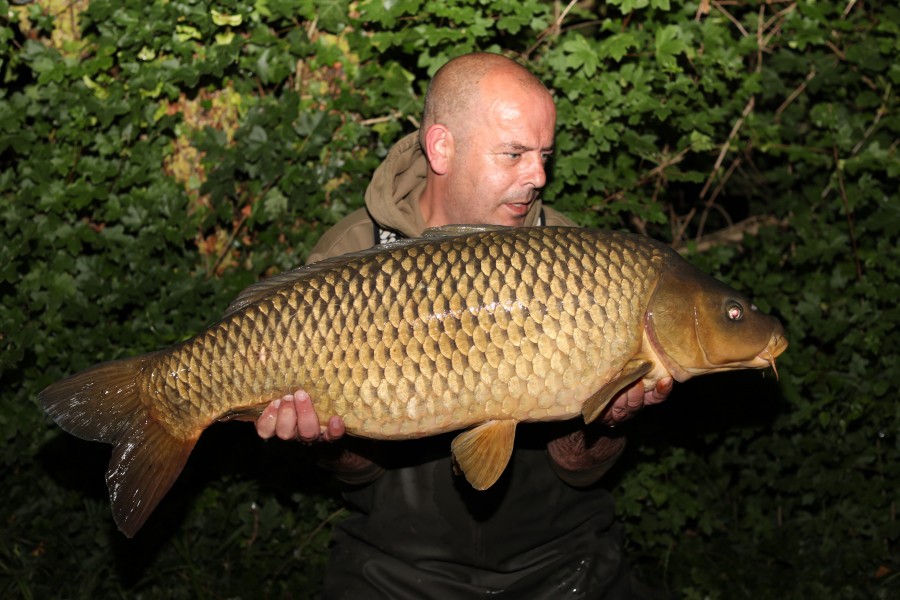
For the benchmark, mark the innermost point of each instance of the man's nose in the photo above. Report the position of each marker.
(535, 175)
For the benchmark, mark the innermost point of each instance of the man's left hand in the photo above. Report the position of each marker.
(629, 402)
(580, 458)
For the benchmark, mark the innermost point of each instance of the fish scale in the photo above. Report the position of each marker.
(446, 346)
(466, 326)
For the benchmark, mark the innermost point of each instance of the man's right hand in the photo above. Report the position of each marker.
(292, 417)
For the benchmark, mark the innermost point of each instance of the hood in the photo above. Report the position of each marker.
(393, 194)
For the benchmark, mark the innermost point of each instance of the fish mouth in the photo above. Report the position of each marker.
(775, 347)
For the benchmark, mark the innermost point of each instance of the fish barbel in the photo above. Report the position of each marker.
(466, 326)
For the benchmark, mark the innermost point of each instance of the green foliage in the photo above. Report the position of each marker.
(156, 157)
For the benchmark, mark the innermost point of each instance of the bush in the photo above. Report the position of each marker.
(155, 158)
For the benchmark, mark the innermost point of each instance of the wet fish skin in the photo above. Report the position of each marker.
(467, 326)
(423, 338)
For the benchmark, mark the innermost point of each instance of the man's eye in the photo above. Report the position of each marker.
(514, 155)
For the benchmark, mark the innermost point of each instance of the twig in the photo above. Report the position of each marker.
(312, 534)
(554, 28)
(870, 130)
(711, 203)
(678, 235)
(850, 228)
(868, 133)
(240, 224)
(702, 9)
(840, 54)
(731, 18)
(795, 94)
(650, 176)
(779, 18)
(733, 234)
(848, 9)
(384, 119)
(253, 534)
(734, 131)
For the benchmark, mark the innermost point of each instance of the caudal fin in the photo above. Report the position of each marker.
(104, 404)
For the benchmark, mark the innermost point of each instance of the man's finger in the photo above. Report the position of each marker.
(634, 397)
(286, 425)
(307, 421)
(660, 392)
(265, 424)
(335, 429)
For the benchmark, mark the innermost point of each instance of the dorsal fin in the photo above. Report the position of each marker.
(265, 288)
(268, 286)
(447, 231)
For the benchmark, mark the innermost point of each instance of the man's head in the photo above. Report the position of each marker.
(487, 131)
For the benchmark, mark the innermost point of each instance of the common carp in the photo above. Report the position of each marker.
(466, 326)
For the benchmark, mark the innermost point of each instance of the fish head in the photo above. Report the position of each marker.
(697, 324)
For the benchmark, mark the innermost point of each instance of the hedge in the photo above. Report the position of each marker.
(157, 157)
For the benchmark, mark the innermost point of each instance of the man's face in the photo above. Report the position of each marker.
(497, 169)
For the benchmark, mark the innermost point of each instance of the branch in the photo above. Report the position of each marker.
(795, 94)
(851, 230)
(657, 171)
(733, 234)
(554, 29)
(734, 131)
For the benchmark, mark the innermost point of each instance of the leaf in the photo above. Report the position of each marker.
(222, 19)
(332, 15)
(580, 55)
(275, 204)
(669, 44)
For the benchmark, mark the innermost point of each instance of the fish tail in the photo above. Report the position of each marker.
(104, 403)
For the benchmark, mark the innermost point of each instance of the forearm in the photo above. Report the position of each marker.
(348, 465)
(581, 460)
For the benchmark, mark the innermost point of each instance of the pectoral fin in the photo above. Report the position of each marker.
(633, 370)
(483, 452)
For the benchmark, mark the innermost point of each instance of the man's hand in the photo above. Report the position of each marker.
(580, 458)
(629, 402)
(292, 417)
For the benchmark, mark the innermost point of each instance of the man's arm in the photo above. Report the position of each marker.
(581, 458)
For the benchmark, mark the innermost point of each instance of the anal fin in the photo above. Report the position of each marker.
(631, 372)
(482, 453)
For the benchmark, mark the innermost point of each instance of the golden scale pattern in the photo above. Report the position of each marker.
(520, 323)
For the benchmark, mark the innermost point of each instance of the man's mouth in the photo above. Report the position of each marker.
(519, 208)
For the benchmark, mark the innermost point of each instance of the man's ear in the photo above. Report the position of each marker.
(439, 148)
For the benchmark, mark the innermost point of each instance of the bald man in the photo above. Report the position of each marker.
(545, 529)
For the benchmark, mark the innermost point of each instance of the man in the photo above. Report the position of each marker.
(543, 530)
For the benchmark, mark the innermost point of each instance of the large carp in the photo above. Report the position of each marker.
(466, 326)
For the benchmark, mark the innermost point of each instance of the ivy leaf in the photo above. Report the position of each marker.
(332, 15)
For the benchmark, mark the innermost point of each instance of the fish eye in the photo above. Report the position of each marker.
(734, 311)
